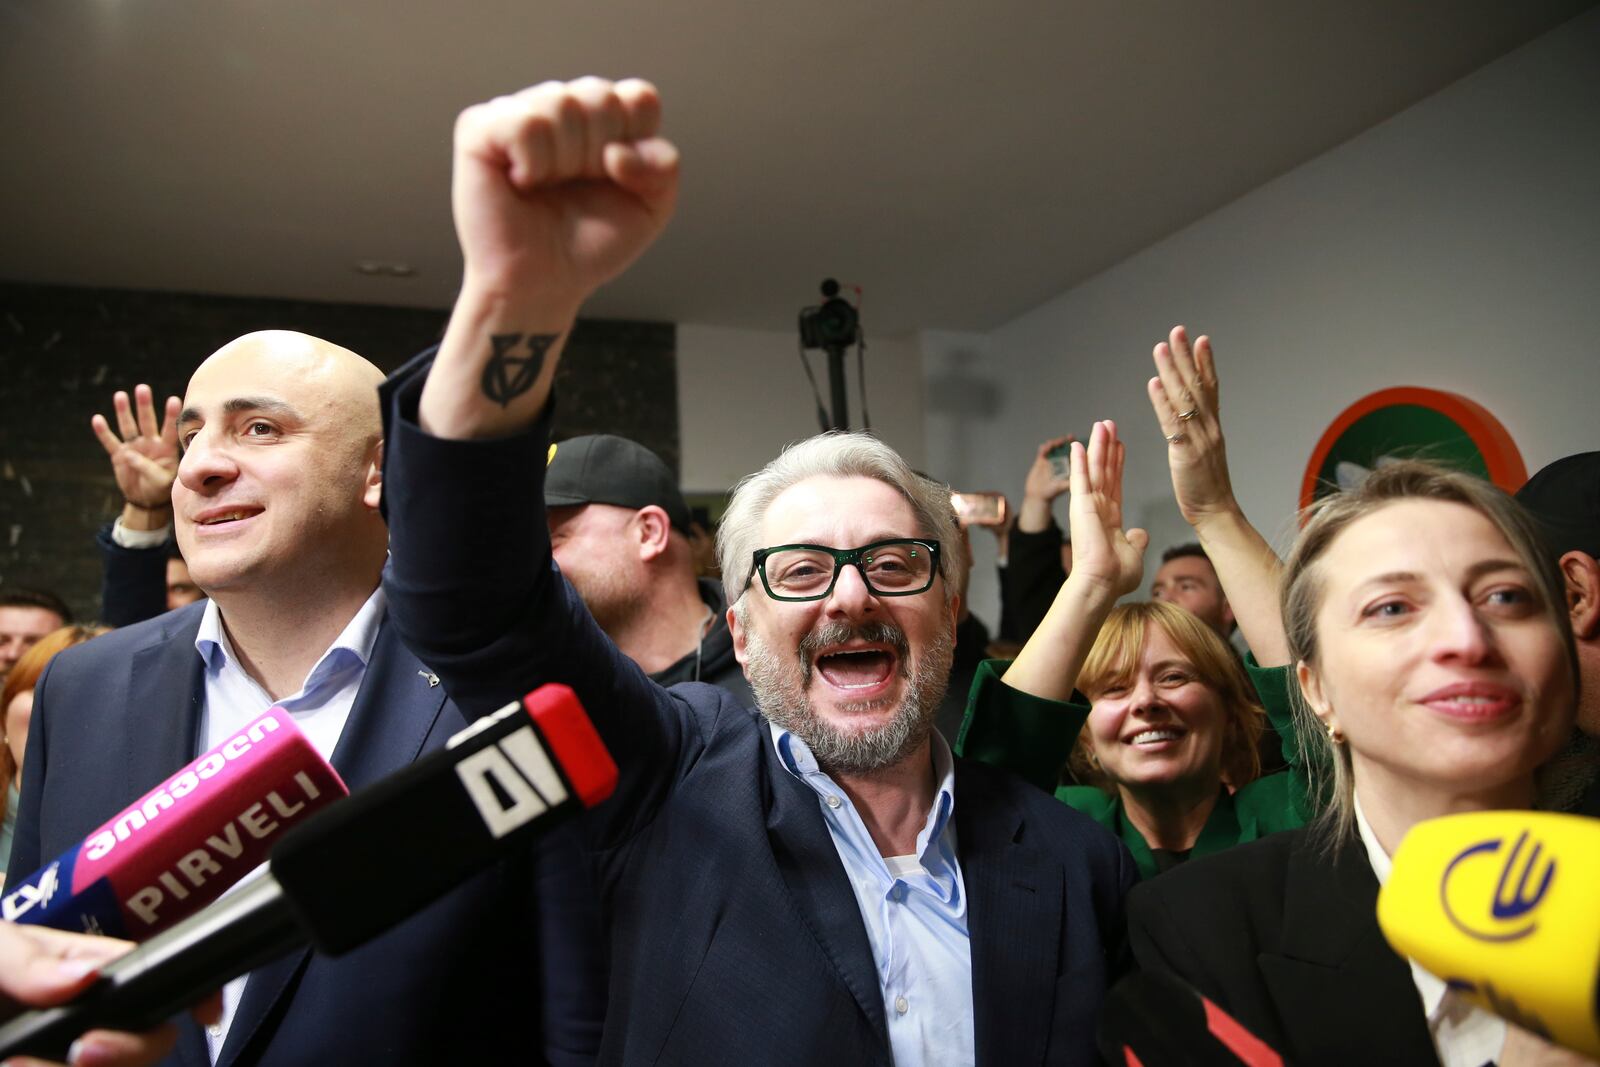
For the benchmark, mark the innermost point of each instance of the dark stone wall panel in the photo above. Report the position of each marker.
(63, 351)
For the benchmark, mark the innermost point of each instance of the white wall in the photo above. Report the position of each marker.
(1455, 246)
(962, 404)
(742, 396)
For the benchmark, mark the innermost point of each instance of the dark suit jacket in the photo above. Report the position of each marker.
(1286, 939)
(133, 581)
(735, 935)
(504, 968)
(1030, 580)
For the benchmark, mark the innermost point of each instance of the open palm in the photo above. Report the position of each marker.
(144, 458)
(1102, 551)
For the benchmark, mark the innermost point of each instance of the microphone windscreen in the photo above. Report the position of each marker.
(181, 845)
(1505, 907)
(402, 842)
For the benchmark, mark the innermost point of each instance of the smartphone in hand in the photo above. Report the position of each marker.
(1060, 460)
(979, 509)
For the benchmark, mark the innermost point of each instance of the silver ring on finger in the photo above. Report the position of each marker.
(1175, 436)
(1187, 415)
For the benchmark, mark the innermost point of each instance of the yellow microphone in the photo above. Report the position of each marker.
(1505, 907)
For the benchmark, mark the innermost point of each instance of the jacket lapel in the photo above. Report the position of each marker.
(395, 710)
(1014, 915)
(816, 879)
(161, 737)
(191, 1050)
(1335, 966)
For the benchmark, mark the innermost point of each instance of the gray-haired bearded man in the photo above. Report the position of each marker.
(815, 880)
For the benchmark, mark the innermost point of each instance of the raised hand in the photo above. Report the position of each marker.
(1103, 553)
(556, 190)
(144, 458)
(1184, 396)
(1107, 562)
(1043, 481)
(562, 185)
(1042, 485)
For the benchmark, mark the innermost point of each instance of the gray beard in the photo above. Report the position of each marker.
(780, 682)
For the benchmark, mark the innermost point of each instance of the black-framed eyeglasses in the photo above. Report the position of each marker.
(900, 566)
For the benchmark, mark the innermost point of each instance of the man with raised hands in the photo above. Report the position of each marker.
(816, 880)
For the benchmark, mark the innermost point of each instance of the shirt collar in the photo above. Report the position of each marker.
(357, 638)
(1381, 864)
(799, 761)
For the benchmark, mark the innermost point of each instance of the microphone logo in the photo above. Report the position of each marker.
(1520, 877)
(510, 783)
(26, 897)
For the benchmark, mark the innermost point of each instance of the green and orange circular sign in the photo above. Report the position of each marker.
(1407, 422)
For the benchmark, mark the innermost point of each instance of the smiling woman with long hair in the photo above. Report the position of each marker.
(1438, 673)
(1169, 735)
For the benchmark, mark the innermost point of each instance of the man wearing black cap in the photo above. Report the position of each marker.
(1565, 498)
(619, 528)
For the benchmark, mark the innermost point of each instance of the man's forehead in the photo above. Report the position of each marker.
(1185, 567)
(28, 618)
(831, 510)
(588, 517)
(253, 371)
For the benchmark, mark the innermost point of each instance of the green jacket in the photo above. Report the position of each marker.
(1032, 737)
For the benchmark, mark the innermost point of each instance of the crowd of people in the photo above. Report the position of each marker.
(842, 831)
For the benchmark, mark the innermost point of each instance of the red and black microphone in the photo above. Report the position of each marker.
(1155, 1019)
(348, 874)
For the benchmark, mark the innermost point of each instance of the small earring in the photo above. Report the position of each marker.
(1335, 735)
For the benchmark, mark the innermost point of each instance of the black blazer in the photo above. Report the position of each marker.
(504, 969)
(735, 935)
(1286, 939)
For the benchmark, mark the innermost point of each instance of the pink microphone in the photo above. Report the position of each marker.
(180, 846)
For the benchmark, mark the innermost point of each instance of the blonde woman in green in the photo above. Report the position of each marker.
(1169, 730)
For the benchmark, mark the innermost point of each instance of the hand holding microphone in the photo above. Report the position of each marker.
(345, 876)
(41, 967)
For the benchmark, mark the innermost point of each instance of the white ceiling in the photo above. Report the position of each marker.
(960, 161)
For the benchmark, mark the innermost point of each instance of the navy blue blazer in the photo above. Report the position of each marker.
(504, 968)
(133, 581)
(735, 935)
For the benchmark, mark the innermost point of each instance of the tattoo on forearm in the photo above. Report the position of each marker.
(509, 374)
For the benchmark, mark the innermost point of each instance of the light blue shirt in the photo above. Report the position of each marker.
(915, 911)
(320, 709)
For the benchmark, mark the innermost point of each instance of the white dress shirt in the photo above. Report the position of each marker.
(915, 911)
(320, 709)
